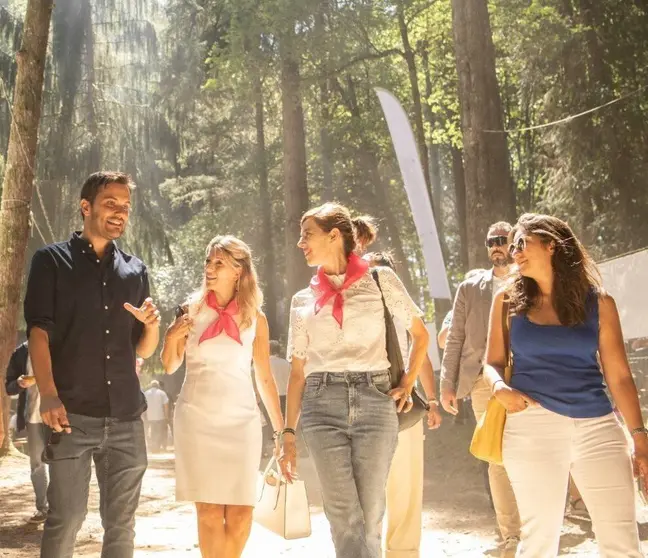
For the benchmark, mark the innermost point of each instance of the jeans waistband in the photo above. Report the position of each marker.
(350, 377)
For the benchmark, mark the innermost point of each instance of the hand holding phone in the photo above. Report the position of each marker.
(182, 325)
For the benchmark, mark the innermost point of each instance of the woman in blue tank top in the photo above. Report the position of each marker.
(559, 418)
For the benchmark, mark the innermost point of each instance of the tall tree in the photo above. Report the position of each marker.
(490, 195)
(19, 174)
(268, 257)
(294, 159)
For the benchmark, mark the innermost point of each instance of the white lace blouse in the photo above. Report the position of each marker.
(359, 345)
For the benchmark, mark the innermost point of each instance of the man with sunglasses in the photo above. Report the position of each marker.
(461, 370)
(89, 315)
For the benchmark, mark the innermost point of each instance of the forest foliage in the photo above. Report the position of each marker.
(231, 115)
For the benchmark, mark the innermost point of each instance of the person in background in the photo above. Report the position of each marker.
(89, 314)
(20, 381)
(462, 367)
(443, 332)
(460, 417)
(339, 377)
(567, 343)
(139, 364)
(280, 370)
(404, 494)
(157, 417)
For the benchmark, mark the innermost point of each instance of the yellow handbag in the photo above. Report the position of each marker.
(486, 442)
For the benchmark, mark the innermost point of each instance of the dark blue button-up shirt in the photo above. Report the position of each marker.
(79, 299)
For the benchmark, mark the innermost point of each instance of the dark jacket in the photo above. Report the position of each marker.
(18, 367)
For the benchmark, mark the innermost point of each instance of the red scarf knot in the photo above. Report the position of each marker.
(325, 290)
(225, 321)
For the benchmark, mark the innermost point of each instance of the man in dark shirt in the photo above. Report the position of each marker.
(89, 315)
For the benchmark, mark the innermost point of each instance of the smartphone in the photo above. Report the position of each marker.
(180, 311)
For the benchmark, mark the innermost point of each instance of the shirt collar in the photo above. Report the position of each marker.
(82, 245)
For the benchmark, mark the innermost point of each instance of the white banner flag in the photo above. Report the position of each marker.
(414, 180)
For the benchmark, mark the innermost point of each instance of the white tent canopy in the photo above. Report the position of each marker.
(626, 279)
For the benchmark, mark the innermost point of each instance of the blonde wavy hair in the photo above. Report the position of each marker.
(248, 293)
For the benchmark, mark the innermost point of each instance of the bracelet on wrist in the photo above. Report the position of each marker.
(433, 401)
(276, 435)
(640, 430)
(288, 431)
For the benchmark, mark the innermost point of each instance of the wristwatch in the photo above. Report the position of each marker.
(433, 401)
(640, 430)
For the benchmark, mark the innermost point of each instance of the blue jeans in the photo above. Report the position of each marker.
(118, 449)
(37, 435)
(351, 429)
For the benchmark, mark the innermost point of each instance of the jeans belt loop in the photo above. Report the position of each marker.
(324, 378)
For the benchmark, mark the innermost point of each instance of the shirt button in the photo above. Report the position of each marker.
(104, 284)
(108, 357)
(107, 331)
(106, 307)
(108, 382)
(90, 245)
(98, 261)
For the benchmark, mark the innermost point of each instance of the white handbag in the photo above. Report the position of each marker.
(282, 507)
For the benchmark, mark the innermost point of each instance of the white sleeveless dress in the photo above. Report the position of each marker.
(217, 425)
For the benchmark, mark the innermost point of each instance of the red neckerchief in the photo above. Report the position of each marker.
(325, 290)
(225, 321)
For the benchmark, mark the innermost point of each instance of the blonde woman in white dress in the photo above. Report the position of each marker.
(217, 424)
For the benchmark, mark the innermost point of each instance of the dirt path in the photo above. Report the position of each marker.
(458, 521)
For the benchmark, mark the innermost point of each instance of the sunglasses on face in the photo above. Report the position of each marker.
(496, 241)
(518, 246)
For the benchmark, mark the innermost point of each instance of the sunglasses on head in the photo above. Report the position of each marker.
(519, 245)
(496, 241)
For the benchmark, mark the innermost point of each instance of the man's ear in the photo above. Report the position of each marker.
(85, 207)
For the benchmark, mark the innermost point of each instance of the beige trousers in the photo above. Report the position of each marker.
(403, 522)
(506, 510)
(540, 449)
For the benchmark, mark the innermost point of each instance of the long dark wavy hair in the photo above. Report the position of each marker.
(575, 273)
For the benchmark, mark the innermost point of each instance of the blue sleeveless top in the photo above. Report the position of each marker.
(558, 367)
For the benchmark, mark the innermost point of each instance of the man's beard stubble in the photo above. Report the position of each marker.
(499, 260)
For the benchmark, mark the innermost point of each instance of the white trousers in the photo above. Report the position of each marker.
(403, 521)
(540, 450)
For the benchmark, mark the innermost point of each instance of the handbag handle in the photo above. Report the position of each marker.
(506, 330)
(280, 480)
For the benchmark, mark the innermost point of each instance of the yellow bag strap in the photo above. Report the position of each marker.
(506, 318)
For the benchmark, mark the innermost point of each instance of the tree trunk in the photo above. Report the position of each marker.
(434, 156)
(294, 165)
(266, 241)
(460, 203)
(19, 177)
(94, 159)
(416, 96)
(490, 194)
(324, 102)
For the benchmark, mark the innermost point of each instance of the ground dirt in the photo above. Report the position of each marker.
(458, 519)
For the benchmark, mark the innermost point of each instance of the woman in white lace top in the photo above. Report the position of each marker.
(339, 379)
